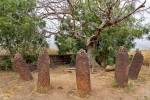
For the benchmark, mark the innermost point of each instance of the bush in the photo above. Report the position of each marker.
(5, 63)
(31, 58)
(114, 83)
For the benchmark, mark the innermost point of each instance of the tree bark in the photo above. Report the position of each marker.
(92, 61)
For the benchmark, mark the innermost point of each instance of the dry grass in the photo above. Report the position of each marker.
(3, 52)
(10, 87)
(146, 54)
(52, 51)
(13, 88)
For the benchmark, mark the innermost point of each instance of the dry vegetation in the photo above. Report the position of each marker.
(63, 85)
(146, 54)
(3, 52)
(52, 51)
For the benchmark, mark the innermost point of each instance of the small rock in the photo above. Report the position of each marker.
(59, 87)
(110, 68)
(70, 93)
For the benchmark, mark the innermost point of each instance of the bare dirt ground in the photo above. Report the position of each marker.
(63, 86)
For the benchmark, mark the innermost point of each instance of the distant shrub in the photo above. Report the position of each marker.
(31, 58)
(5, 63)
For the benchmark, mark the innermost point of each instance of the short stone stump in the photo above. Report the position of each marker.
(21, 67)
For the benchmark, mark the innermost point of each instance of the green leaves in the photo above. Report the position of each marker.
(68, 44)
(18, 24)
(110, 39)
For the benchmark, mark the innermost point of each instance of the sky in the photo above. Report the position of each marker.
(142, 44)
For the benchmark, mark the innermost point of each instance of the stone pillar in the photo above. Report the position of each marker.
(82, 73)
(121, 67)
(43, 65)
(21, 67)
(136, 65)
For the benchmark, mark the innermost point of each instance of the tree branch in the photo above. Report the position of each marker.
(109, 20)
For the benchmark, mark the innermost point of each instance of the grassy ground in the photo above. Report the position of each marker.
(146, 54)
(63, 85)
(13, 88)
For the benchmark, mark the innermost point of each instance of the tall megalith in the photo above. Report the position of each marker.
(136, 65)
(43, 65)
(121, 67)
(83, 73)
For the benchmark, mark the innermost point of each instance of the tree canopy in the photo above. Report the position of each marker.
(108, 42)
(18, 26)
(94, 23)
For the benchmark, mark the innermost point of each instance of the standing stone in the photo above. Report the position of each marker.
(21, 67)
(121, 67)
(136, 65)
(43, 65)
(83, 73)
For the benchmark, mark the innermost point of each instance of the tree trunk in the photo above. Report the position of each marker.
(92, 61)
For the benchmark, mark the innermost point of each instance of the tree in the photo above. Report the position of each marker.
(108, 14)
(108, 42)
(18, 26)
(112, 38)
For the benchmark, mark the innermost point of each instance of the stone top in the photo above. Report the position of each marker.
(17, 55)
(81, 54)
(138, 51)
(122, 49)
(81, 51)
(43, 50)
(43, 55)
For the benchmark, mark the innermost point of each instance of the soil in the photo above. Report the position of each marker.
(63, 86)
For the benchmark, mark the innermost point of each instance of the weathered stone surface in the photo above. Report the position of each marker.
(121, 67)
(43, 65)
(21, 67)
(83, 73)
(136, 65)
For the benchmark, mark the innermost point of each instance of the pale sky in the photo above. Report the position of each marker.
(144, 44)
